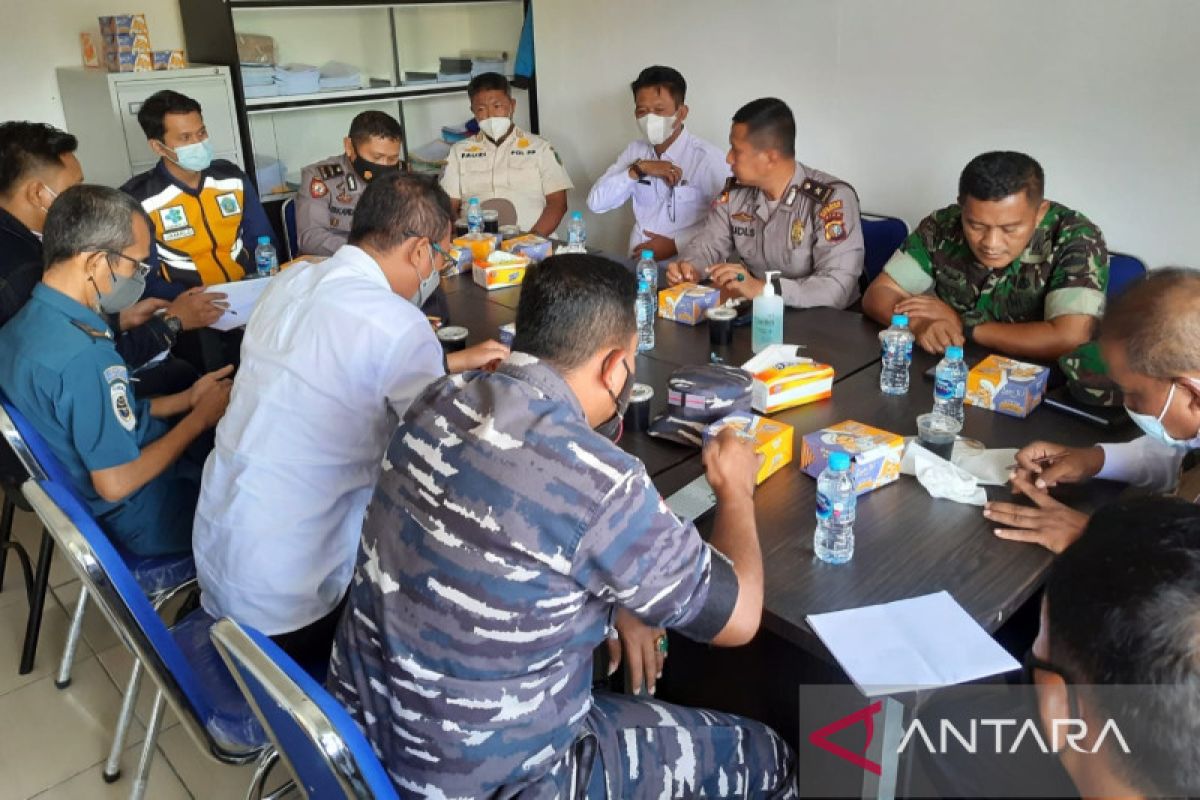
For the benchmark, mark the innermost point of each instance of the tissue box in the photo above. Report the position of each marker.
(783, 379)
(874, 453)
(121, 24)
(508, 332)
(127, 43)
(687, 302)
(502, 274)
(128, 62)
(532, 246)
(1007, 386)
(461, 259)
(168, 59)
(772, 440)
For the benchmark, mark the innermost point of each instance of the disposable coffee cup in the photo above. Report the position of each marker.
(720, 325)
(937, 432)
(453, 338)
(637, 415)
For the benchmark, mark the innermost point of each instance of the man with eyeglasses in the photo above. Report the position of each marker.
(60, 368)
(332, 357)
(1148, 341)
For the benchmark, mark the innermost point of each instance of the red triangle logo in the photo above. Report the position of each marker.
(820, 737)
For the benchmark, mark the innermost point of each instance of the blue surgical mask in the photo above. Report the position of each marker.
(429, 283)
(1153, 426)
(195, 157)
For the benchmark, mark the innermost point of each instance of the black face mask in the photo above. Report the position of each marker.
(369, 170)
(614, 426)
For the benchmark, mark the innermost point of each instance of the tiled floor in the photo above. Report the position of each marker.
(53, 743)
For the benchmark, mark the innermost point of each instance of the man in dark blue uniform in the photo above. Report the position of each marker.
(60, 368)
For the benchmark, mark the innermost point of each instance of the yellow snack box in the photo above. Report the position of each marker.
(687, 302)
(772, 440)
(1010, 387)
(874, 453)
(783, 379)
(500, 271)
(481, 245)
(530, 245)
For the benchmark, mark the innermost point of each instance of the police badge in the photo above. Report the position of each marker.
(797, 232)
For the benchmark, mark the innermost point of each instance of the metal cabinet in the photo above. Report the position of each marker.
(101, 110)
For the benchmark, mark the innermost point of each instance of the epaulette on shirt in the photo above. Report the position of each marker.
(90, 331)
(328, 171)
(821, 192)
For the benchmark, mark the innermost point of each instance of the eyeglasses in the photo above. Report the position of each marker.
(1032, 662)
(447, 261)
(141, 270)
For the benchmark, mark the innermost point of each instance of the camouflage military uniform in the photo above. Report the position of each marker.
(492, 558)
(1064, 269)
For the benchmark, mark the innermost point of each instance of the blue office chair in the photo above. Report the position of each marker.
(1123, 269)
(290, 236)
(314, 736)
(160, 577)
(181, 660)
(882, 236)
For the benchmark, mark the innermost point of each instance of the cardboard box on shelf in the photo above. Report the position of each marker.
(783, 379)
(89, 52)
(1010, 387)
(126, 43)
(772, 440)
(874, 453)
(168, 59)
(128, 62)
(124, 24)
(687, 302)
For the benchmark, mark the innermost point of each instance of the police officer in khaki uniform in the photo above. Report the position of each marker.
(777, 214)
(503, 161)
(329, 189)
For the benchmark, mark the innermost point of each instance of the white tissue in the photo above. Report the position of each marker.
(941, 478)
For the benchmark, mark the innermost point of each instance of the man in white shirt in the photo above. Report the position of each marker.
(671, 175)
(332, 357)
(503, 161)
(1148, 339)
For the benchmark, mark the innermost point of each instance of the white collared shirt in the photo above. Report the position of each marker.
(704, 175)
(1144, 462)
(331, 360)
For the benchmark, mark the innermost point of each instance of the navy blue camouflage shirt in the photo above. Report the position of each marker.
(502, 534)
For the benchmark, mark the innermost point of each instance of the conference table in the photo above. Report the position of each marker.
(906, 543)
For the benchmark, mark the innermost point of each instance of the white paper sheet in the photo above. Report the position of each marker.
(241, 296)
(919, 643)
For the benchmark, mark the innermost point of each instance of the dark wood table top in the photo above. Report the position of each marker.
(906, 543)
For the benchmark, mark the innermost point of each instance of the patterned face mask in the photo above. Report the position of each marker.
(614, 426)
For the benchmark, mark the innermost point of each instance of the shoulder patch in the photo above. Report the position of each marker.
(118, 392)
(116, 372)
(821, 192)
(831, 210)
(835, 230)
(317, 188)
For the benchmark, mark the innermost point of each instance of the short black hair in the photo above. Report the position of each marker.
(397, 206)
(1123, 608)
(1000, 174)
(374, 123)
(86, 218)
(488, 82)
(151, 116)
(29, 146)
(769, 125)
(573, 305)
(1157, 321)
(665, 77)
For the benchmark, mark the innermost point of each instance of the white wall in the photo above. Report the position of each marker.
(40, 35)
(895, 97)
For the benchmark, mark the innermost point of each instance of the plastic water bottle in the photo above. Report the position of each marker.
(833, 540)
(897, 344)
(474, 216)
(266, 262)
(577, 233)
(950, 384)
(647, 299)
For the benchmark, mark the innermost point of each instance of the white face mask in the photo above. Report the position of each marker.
(495, 127)
(657, 129)
(1153, 426)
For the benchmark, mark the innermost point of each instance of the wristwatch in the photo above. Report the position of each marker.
(173, 323)
(637, 169)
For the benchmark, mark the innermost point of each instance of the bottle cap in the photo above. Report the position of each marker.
(264, 240)
(576, 215)
(647, 255)
(839, 460)
(474, 201)
(900, 320)
(769, 287)
(954, 353)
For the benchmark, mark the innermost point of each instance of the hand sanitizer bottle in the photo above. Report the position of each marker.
(767, 327)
